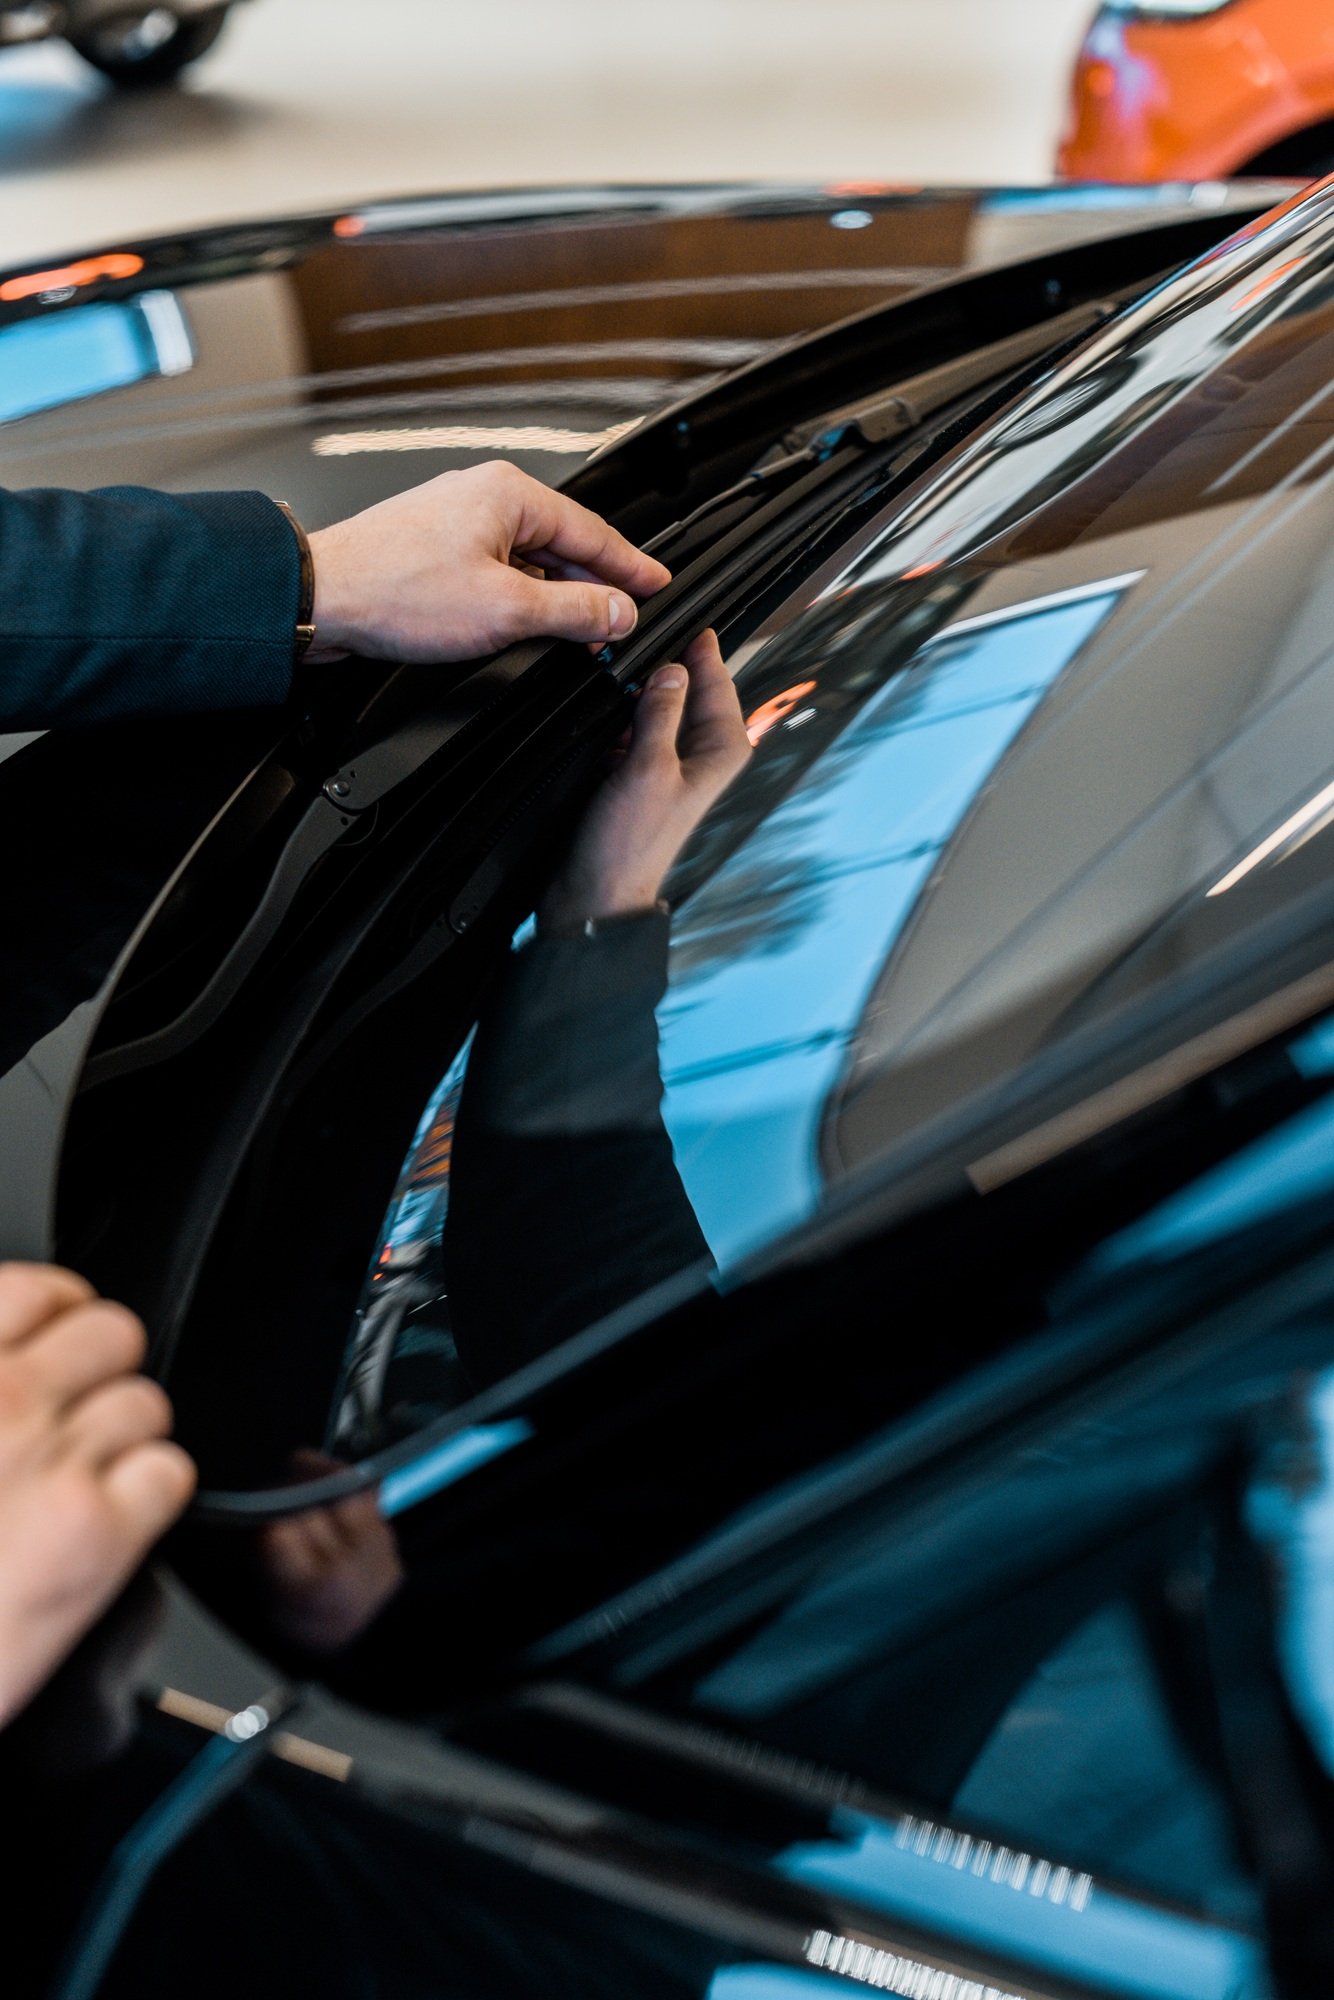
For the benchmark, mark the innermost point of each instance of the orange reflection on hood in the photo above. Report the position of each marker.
(763, 719)
(119, 264)
(1267, 283)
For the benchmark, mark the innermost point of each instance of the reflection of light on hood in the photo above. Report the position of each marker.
(762, 719)
(1307, 819)
(893, 1973)
(467, 1451)
(1268, 282)
(1009, 1905)
(468, 437)
(648, 291)
(32, 284)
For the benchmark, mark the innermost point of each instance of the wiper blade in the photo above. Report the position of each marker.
(876, 419)
(837, 437)
(844, 458)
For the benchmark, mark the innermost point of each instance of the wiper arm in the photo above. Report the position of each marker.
(876, 419)
(837, 437)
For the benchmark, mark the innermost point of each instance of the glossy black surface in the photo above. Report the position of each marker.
(998, 798)
(726, 1631)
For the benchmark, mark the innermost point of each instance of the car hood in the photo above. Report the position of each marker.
(333, 360)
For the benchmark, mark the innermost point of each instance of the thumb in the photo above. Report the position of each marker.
(538, 609)
(658, 715)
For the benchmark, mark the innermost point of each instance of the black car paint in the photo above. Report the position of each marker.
(490, 1523)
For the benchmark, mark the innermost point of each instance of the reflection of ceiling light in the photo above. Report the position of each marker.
(852, 218)
(1059, 407)
(649, 291)
(169, 332)
(468, 437)
(119, 264)
(871, 187)
(1267, 283)
(1281, 835)
(890, 1972)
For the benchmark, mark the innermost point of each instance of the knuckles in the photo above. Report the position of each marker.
(143, 1406)
(20, 1400)
(498, 476)
(121, 1336)
(32, 1292)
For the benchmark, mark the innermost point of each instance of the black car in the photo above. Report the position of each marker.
(134, 45)
(913, 1570)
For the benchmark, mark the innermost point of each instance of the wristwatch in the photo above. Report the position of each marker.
(596, 927)
(304, 637)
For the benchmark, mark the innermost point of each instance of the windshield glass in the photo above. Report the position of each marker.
(993, 800)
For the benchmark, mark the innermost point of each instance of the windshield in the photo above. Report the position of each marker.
(992, 801)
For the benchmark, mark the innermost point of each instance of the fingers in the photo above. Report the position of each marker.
(543, 562)
(585, 611)
(471, 561)
(351, 1518)
(84, 1348)
(691, 709)
(715, 729)
(658, 716)
(118, 1417)
(303, 1547)
(150, 1488)
(554, 525)
(33, 1294)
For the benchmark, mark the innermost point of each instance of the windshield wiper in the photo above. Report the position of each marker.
(909, 405)
(839, 437)
(851, 457)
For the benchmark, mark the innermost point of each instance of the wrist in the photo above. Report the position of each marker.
(567, 916)
(303, 635)
(332, 611)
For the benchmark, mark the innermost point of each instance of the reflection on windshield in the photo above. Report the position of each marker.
(888, 1971)
(1153, 356)
(1276, 1173)
(1291, 1512)
(911, 893)
(402, 1319)
(773, 958)
(1018, 1905)
(45, 363)
(595, 1138)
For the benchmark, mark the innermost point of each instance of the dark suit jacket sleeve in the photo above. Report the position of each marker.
(129, 602)
(564, 1197)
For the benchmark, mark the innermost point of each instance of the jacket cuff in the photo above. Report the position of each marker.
(569, 1040)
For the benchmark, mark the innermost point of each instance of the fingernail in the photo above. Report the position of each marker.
(621, 614)
(668, 677)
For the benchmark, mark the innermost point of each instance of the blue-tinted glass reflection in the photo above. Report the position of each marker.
(773, 958)
(46, 363)
(1020, 1905)
(1278, 1172)
(1291, 1509)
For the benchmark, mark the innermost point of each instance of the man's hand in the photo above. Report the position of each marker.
(330, 1571)
(470, 562)
(687, 743)
(88, 1481)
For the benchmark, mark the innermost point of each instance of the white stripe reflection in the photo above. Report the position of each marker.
(468, 437)
(1300, 822)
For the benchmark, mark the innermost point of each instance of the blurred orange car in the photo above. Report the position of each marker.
(1201, 89)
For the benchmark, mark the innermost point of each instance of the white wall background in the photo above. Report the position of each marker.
(311, 103)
